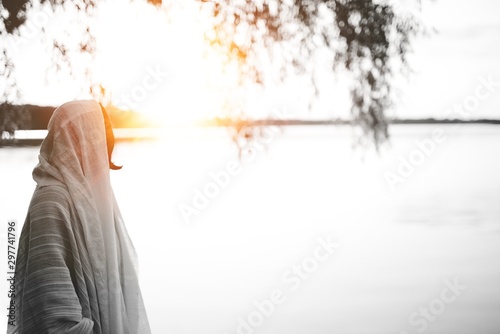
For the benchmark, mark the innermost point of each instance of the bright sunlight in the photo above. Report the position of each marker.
(176, 77)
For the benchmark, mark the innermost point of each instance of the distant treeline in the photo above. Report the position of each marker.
(32, 117)
(281, 122)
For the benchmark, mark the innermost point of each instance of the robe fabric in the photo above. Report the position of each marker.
(76, 267)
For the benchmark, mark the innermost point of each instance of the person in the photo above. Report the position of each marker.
(76, 267)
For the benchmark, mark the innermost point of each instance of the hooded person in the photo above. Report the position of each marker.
(76, 267)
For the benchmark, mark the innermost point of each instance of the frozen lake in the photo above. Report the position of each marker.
(307, 236)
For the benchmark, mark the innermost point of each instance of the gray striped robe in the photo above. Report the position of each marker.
(55, 290)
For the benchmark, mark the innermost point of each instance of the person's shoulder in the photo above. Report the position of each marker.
(51, 193)
(53, 200)
(50, 215)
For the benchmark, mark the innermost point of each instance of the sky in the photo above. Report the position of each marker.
(161, 72)
(448, 64)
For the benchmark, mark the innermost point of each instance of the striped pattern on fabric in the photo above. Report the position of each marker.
(55, 289)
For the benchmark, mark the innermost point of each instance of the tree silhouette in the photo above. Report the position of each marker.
(368, 38)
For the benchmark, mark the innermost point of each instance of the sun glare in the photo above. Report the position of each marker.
(157, 62)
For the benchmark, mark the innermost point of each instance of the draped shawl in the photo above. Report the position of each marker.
(76, 268)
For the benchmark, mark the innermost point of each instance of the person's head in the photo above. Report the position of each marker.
(78, 146)
(110, 138)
